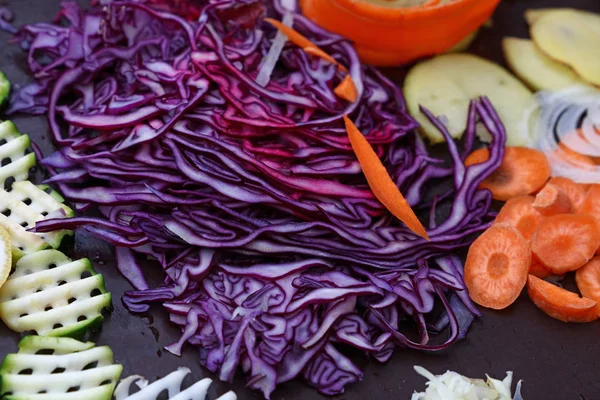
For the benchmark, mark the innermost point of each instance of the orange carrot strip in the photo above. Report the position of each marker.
(303, 42)
(380, 182)
(347, 90)
(559, 303)
(497, 266)
(552, 200)
(523, 171)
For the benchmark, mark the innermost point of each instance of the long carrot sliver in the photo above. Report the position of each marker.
(304, 43)
(380, 182)
(346, 90)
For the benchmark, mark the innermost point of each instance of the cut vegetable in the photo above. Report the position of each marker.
(464, 44)
(303, 42)
(4, 88)
(532, 15)
(171, 383)
(574, 191)
(552, 200)
(21, 208)
(591, 202)
(519, 213)
(5, 255)
(380, 182)
(54, 296)
(537, 269)
(523, 171)
(560, 303)
(564, 243)
(571, 37)
(497, 266)
(588, 280)
(16, 161)
(446, 84)
(453, 386)
(347, 90)
(536, 69)
(57, 369)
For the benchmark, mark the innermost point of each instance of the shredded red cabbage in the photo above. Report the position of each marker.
(275, 250)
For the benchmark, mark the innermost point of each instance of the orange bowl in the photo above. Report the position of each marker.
(388, 36)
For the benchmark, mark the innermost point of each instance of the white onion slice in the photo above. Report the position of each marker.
(562, 113)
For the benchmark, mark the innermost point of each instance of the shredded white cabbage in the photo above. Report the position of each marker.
(453, 386)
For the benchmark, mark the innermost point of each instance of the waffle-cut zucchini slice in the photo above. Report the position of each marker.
(4, 88)
(171, 383)
(22, 207)
(52, 345)
(58, 368)
(53, 296)
(5, 255)
(14, 157)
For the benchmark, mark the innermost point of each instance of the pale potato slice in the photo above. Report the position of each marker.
(537, 70)
(533, 15)
(465, 43)
(447, 83)
(571, 37)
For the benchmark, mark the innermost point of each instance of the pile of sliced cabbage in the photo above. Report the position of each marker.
(453, 386)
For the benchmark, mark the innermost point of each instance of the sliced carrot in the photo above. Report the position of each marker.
(588, 280)
(537, 269)
(591, 202)
(303, 42)
(523, 171)
(559, 303)
(552, 200)
(380, 182)
(497, 266)
(573, 190)
(566, 242)
(591, 205)
(518, 212)
(347, 90)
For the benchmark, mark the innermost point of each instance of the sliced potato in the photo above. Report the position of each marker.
(446, 84)
(571, 37)
(533, 15)
(537, 70)
(464, 44)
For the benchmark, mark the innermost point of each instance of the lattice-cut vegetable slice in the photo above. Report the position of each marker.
(4, 88)
(172, 383)
(54, 296)
(59, 368)
(22, 207)
(5, 255)
(52, 345)
(14, 157)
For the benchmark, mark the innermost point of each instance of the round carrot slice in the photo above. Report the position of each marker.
(588, 280)
(573, 190)
(566, 242)
(523, 171)
(497, 267)
(591, 202)
(552, 200)
(591, 205)
(560, 303)
(537, 269)
(518, 212)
